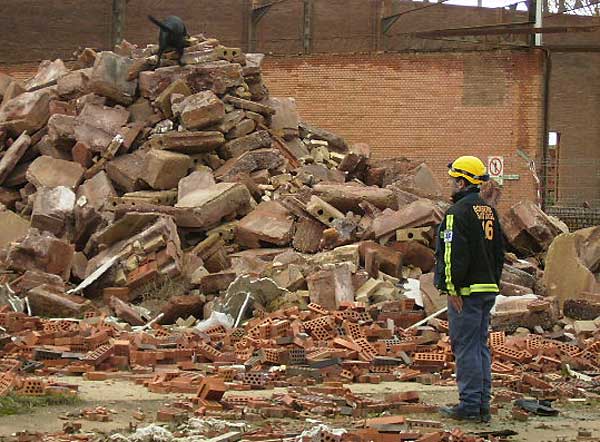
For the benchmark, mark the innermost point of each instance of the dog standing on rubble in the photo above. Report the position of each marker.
(173, 35)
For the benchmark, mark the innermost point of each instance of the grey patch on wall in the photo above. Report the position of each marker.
(476, 90)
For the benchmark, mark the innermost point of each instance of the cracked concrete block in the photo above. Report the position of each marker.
(51, 172)
(162, 169)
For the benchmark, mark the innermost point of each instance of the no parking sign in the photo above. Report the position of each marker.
(495, 168)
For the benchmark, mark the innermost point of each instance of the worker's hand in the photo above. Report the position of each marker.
(456, 302)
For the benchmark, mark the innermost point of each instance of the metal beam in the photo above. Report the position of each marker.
(118, 22)
(460, 32)
(388, 22)
(257, 13)
(307, 27)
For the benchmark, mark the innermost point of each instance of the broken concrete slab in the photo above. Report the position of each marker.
(181, 307)
(41, 251)
(419, 181)
(331, 287)
(32, 278)
(199, 179)
(125, 312)
(566, 275)
(61, 131)
(334, 142)
(74, 84)
(50, 172)
(260, 292)
(248, 105)
(125, 171)
(242, 129)
(14, 227)
(163, 101)
(528, 229)
(200, 110)
(97, 190)
(47, 300)
(420, 213)
(249, 162)
(187, 142)
(346, 197)
(162, 169)
(109, 78)
(48, 73)
(28, 111)
(13, 155)
(97, 125)
(237, 147)
(285, 120)
(269, 223)
(52, 208)
(221, 201)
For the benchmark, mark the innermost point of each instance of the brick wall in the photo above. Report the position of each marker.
(221, 19)
(33, 30)
(432, 106)
(573, 112)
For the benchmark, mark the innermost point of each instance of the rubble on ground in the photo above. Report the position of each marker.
(179, 227)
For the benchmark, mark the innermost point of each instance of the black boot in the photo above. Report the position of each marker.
(459, 414)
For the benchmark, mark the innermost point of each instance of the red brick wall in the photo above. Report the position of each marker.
(33, 30)
(221, 19)
(573, 112)
(425, 106)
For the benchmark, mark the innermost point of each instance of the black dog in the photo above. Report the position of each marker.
(173, 35)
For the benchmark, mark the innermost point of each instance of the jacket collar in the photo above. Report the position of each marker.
(470, 190)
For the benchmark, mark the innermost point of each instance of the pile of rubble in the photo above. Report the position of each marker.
(180, 227)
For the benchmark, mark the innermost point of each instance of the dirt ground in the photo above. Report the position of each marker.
(125, 398)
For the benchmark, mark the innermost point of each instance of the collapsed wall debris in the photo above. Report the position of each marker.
(181, 224)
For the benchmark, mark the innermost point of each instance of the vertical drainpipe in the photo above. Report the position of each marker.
(547, 73)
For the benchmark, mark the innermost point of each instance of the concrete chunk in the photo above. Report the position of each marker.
(48, 72)
(162, 170)
(61, 131)
(331, 287)
(240, 145)
(348, 197)
(528, 229)
(13, 227)
(74, 84)
(49, 301)
(97, 125)
(249, 162)
(200, 110)
(109, 78)
(285, 120)
(200, 179)
(28, 111)
(50, 172)
(163, 101)
(187, 142)
(43, 252)
(571, 263)
(52, 207)
(253, 106)
(420, 213)
(97, 190)
(269, 223)
(125, 170)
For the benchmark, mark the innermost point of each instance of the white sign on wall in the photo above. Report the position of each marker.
(495, 168)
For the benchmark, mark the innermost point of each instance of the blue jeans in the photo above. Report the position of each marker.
(469, 336)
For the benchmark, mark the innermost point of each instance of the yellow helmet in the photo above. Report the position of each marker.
(470, 168)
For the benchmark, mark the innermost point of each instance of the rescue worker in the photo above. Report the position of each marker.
(469, 260)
